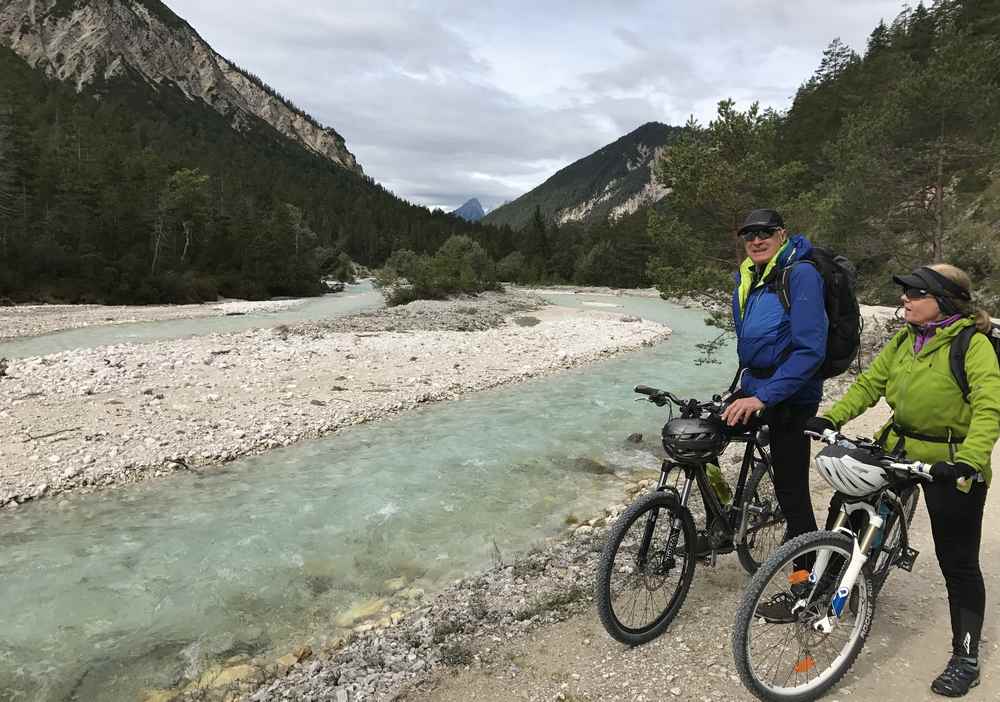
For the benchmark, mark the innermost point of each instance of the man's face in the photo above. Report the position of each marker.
(763, 244)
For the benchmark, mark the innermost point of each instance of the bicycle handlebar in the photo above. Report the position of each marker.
(661, 397)
(915, 468)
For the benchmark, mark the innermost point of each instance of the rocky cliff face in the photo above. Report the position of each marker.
(87, 41)
(614, 181)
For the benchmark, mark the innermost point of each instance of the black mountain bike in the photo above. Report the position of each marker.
(648, 563)
(808, 610)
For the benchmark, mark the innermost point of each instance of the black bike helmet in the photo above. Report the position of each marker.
(694, 440)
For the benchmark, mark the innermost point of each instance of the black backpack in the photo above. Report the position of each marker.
(960, 346)
(843, 338)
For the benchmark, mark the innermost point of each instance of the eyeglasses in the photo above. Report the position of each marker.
(915, 293)
(761, 234)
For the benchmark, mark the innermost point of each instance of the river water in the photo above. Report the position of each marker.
(104, 595)
(356, 298)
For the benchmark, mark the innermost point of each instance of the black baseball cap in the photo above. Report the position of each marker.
(928, 279)
(761, 219)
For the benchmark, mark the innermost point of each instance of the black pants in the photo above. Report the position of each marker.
(957, 526)
(790, 456)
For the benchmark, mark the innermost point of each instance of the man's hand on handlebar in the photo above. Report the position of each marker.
(740, 411)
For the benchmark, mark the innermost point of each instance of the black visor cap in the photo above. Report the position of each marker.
(933, 282)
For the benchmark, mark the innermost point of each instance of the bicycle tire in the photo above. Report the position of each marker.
(612, 592)
(746, 617)
(891, 547)
(757, 496)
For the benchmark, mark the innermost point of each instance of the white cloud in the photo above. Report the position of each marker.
(446, 100)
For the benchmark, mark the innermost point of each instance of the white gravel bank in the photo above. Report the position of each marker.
(33, 320)
(114, 414)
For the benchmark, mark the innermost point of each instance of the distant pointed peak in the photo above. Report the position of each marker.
(471, 210)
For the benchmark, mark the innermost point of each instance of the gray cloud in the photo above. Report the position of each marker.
(447, 100)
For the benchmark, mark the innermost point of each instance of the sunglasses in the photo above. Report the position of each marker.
(915, 293)
(760, 234)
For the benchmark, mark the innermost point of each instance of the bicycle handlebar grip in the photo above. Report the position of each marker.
(646, 390)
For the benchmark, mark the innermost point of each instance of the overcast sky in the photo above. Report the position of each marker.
(444, 100)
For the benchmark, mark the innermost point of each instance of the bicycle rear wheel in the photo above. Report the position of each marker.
(646, 569)
(765, 528)
(781, 655)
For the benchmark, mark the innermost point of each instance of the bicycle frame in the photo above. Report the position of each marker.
(695, 474)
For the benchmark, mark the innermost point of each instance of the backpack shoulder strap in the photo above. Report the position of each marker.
(784, 286)
(956, 359)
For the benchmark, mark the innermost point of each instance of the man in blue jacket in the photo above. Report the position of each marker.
(780, 352)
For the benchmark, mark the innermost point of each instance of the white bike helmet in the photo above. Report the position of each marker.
(850, 471)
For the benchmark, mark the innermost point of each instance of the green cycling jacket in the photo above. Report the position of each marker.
(926, 400)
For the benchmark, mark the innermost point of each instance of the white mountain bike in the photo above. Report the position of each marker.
(807, 612)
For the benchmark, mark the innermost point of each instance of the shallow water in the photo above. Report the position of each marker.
(106, 594)
(356, 298)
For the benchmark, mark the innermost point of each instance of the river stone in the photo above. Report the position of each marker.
(158, 695)
(412, 593)
(359, 612)
(286, 663)
(216, 677)
(394, 585)
(635, 438)
(589, 465)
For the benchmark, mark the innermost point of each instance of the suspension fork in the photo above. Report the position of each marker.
(675, 529)
(858, 559)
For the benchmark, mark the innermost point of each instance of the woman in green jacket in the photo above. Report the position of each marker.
(936, 424)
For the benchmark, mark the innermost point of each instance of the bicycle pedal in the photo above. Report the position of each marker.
(907, 558)
(709, 560)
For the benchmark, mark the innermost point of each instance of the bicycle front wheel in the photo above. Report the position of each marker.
(781, 648)
(765, 523)
(646, 568)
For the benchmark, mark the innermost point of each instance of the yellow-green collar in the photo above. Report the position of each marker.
(747, 275)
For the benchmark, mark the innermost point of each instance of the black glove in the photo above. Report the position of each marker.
(945, 472)
(818, 425)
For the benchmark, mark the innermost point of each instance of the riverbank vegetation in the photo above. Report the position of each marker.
(130, 194)
(890, 157)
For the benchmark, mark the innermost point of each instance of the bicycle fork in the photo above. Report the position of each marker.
(675, 529)
(857, 562)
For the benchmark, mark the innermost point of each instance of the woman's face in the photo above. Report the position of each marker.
(920, 309)
(761, 251)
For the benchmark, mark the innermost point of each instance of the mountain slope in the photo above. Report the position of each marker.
(471, 211)
(90, 42)
(609, 183)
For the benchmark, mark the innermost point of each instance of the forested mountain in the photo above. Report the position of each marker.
(137, 190)
(613, 181)
(91, 42)
(470, 211)
(116, 186)
(892, 157)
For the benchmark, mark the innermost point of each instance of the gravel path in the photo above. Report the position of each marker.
(104, 416)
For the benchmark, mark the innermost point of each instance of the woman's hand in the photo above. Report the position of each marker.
(741, 410)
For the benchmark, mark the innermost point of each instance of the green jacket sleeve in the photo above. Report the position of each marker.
(869, 387)
(984, 381)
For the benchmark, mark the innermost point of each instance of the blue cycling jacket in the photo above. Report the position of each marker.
(788, 345)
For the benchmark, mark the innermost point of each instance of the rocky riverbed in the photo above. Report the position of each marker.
(104, 416)
(32, 320)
